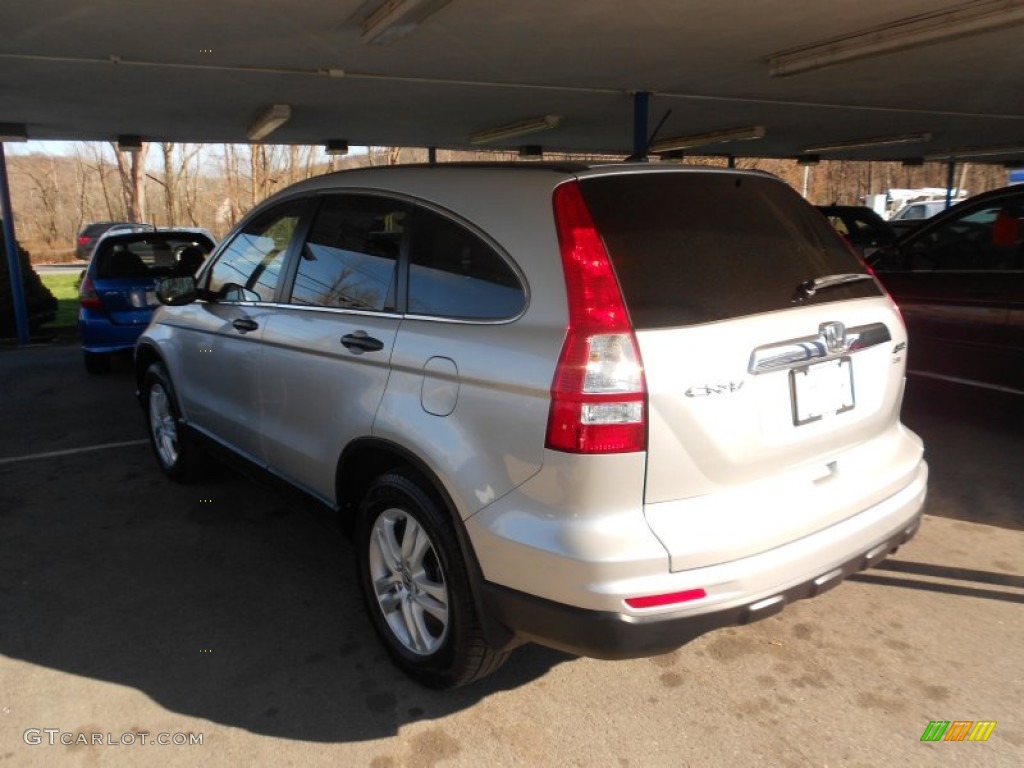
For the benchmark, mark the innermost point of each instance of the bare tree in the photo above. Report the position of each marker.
(43, 178)
(132, 174)
(170, 183)
(234, 187)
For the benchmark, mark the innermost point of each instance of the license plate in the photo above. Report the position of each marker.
(821, 390)
(140, 298)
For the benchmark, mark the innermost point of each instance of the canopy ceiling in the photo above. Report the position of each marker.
(202, 70)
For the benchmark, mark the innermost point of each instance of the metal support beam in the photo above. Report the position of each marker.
(950, 179)
(13, 260)
(641, 108)
(731, 161)
(432, 155)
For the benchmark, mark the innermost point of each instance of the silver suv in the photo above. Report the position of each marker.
(605, 409)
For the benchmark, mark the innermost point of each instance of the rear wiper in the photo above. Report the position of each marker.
(808, 288)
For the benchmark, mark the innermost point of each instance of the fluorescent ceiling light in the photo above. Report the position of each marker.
(712, 137)
(13, 132)
(1002, 149)
(881, 141)
(397, 18)
(269, 120)
(129, 143)
(335, 147)
(512, 130)
(967, 18)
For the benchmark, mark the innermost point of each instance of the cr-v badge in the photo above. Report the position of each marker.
(714, 389)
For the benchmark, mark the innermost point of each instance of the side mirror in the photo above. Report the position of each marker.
(177, 291)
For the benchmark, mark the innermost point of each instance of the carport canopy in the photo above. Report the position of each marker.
(878, 80)
(869, 80)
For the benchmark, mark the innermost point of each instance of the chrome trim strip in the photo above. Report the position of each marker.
(811, 349)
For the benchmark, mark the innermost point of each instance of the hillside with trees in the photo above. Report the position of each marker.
(212, 186)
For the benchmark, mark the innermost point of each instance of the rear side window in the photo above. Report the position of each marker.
(350, 258)
(694, 248)
(454, 273)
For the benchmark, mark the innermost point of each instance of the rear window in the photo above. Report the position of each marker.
(694, 248)
(151, 257)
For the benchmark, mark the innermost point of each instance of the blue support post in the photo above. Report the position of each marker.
(950, 177)
(13, 260)
(641, 107)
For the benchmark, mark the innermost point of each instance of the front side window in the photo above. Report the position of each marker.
(350, 258)
(454, 273)
(250, 266)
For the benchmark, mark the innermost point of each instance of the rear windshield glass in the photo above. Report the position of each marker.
(154, 256)
(699, 247)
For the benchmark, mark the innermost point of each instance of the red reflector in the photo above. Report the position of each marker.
(652, 601)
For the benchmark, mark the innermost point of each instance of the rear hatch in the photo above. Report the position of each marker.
(773, 400)
(124, 270)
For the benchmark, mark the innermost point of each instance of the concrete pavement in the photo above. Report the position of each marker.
(130, 605)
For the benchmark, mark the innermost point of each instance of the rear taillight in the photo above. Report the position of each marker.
(598, 395)
(83, 240)
(87, 295)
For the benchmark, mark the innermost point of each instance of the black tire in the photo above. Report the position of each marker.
(173, 450)
(96, 363)
(415, 586)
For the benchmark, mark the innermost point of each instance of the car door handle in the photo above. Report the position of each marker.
(362, 342)
(244, 324)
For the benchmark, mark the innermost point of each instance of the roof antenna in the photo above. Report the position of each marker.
(642, 157)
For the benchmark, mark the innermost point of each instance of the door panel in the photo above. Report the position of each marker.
(326, 356)
(221, 396)
(317, 393)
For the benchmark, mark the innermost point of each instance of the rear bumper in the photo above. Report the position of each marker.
(99, 335)
(611, 635)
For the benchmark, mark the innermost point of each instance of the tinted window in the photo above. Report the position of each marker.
(980, 239)
(697, 247)
(351, 255)
(153, 256)
(454, 273)
(251, 264)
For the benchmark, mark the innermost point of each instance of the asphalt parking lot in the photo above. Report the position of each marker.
(130, 605)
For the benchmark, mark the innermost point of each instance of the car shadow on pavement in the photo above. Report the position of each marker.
(222, 600)
(974, 445)
(968, 577)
